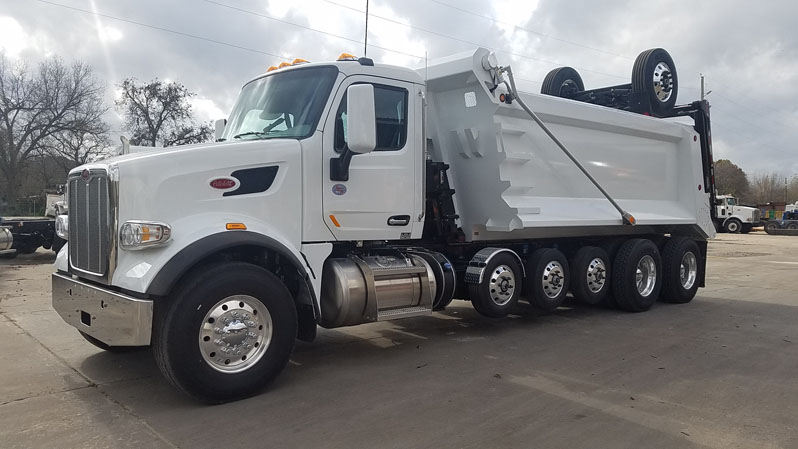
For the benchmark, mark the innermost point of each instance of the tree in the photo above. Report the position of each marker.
(767, 188)
(160, 112)
(37, 105)
(730, 179)
(72, 148)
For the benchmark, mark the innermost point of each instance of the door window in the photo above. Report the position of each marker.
(390, 105)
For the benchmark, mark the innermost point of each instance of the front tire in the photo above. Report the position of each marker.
(637, 275)
(681, 270)
(733, 226)
(226, 333)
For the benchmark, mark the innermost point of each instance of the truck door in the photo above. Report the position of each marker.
(382, 199)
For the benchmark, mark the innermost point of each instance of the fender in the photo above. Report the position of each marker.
(179, 264)
(478, 263)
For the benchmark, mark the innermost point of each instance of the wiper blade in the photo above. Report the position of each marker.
(251, 133)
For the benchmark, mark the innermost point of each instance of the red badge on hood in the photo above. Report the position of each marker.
(223, 183)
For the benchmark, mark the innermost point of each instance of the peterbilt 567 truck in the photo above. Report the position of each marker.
(350, 192)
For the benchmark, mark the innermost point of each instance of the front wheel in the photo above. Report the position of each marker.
(733, 226)
(226, 333)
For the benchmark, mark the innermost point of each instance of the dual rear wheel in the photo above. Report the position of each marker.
(633, 281)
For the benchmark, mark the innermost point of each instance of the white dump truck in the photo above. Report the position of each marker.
(350, 192)
(731, 217)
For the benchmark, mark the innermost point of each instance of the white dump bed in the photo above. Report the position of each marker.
(512, 181)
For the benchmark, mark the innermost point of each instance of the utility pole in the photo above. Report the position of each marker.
(703, 95)
(702, 86)
(366, 39)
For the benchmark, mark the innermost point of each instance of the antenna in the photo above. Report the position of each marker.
(366, 38)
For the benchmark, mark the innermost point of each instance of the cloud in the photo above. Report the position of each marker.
(747, 53)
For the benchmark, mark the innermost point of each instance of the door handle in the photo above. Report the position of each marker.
(399, 220)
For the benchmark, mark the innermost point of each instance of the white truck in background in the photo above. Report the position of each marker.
(732, 218)
(350, 192)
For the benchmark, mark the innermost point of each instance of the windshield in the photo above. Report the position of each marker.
(285, 104)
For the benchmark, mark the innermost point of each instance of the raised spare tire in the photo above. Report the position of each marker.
(654, 78)
(562, 82)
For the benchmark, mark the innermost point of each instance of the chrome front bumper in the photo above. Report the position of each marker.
(112, 318)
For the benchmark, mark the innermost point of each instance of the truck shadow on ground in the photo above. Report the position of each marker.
(40, 257)
(369, 344)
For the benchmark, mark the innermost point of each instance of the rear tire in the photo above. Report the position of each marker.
(792, 226)
(654, 78)
(590, 275)
(637, 275)
(240, 310)
(771, 227)
(547, 278)
(681, 270)
(733, 226)
(500, 288)
(562, 82)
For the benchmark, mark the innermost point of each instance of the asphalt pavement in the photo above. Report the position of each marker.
(719, 372)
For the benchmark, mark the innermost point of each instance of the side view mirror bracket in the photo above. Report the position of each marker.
(339, 166)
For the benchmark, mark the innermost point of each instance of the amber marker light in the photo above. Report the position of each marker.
(236, 226)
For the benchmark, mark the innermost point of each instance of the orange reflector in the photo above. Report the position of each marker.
(335, 222)
(346, 57)
(283, 64)
(299, 61)
(632, 219)
(272, 68)
(233, 226)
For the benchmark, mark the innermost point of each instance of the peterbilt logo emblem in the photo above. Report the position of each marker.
(85, 175)
(223, 183)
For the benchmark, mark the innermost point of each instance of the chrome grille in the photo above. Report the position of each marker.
(89, 222)
(757, 215)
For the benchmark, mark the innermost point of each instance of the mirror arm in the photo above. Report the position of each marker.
(339, 166)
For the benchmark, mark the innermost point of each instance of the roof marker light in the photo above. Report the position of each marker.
(283, 64)
(272, 68)
(299, 61)
(347, 57)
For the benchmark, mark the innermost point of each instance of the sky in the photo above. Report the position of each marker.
(747, 51)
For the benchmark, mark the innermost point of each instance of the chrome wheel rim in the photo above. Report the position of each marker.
(235, 333)
(553, 279)
(596, 275)
(663, 82)
(502, 285)
(732, 226)
(646, 276)
(688, 270)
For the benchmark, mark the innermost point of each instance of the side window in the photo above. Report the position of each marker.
(390, 105)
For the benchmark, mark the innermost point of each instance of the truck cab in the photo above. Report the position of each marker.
(733, 218)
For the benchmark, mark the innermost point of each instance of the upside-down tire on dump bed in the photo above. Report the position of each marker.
(226, 332)
(654, 77)
(562, 82)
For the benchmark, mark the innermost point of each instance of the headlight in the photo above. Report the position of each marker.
(62, 226)
(143, 234)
